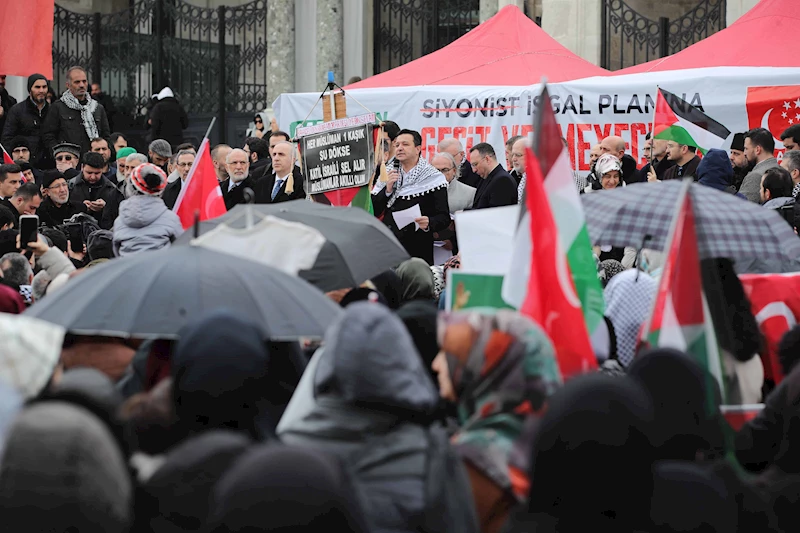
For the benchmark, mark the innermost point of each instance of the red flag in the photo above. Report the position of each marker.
(201, 192)
(551, 300)
(6, 158)
(21, 55)
(775, 302)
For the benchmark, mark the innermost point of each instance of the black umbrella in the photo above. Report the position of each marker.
(154, 294)
(357, 246)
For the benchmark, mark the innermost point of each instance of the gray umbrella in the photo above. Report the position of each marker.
(727, 225)
(154, 294)
(357, 246)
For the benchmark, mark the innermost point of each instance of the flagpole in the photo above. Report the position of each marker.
(214, 119)
(687, 183)
(653, 128)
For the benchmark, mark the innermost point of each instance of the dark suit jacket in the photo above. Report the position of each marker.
(235, 196)
(6, 202)
(468, 175)
(689, 169)
(661, 169)
(264, 189)
(171, 193)
(498, 189)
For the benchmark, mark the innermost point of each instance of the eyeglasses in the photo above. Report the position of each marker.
(443, 170)
(19, 150)
(64, 158)
(183, 165)
(258, 120)
(59, 186)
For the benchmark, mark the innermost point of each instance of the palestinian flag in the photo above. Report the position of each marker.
(677, 120)
(561, 290)
(680, 317)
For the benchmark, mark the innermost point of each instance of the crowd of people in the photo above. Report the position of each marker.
(404, 417)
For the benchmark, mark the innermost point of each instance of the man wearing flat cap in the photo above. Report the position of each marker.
(25, 120)
(66, 155)
(740, 165)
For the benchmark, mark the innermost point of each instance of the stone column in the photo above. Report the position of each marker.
(575, 24)
(330, 41)
(489, 8)
(280, 48)
(737, 8)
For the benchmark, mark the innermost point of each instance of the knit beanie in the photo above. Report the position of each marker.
(149, 179)
(125, 152)
(33, 78)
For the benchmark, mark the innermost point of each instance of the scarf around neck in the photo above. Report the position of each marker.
(418, 181)
(87, 112)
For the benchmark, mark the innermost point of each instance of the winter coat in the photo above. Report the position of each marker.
(81, 190)
(498, 190)
(63, 124)
(25, 120)
(751, 184)
(226, 377)
(689, 169)
(367, 399)
(785, 207)
(7, 102)
(715, 171)
(168, 120)
(144, 223)
(52, 215)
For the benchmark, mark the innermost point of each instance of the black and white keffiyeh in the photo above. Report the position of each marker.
(87, 112)
(629, 297)
(418, 181)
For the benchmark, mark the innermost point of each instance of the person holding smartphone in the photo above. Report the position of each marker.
(89, 188)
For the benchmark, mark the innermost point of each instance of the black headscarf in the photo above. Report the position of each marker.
(419, 318)
(281, 489)
(686, 400)
(592, 456)
(388, 283)
(223, 378)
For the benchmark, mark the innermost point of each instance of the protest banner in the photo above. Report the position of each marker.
(338, 154)
(587, 110)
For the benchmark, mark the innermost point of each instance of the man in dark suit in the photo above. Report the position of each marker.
(239, 179)
(258, 154)
(183, 161)
(285, 182)
(498, 187)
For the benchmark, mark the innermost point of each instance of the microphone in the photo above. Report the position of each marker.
(396, 164)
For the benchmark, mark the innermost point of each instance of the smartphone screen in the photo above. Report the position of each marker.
(75, 237)
(28, 226)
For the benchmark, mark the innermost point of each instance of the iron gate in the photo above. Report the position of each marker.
(405, 30)
(214, 59)
(629, 38)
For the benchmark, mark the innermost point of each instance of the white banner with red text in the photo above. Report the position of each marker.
(588, 110)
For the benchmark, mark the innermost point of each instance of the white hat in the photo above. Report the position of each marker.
(607, 163)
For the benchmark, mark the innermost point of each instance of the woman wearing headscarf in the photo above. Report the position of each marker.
(259, 126)
(500, 369)
(629, 298)
(225, 377)
(686, 401)
(592, 461)
(413, 182)
(417, 280)
(367, 398)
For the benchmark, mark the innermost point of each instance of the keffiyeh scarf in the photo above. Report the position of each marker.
(87, 112)
(629, 297)
(420, 180)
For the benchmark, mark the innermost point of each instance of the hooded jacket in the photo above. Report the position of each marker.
(168, 119)
(367, 399)
(26, 119)
(716, 171)
(223, 378)
(144, 224)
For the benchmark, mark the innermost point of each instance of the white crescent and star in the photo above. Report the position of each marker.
(765, 125)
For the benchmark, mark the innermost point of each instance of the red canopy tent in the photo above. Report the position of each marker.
(758, 39)
(508, 49)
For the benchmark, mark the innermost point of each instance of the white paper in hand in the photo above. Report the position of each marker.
(407, 216)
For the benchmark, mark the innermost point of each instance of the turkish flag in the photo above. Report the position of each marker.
(26, 46)
(200, 193)
(774, 108)
(775, 302)
(6, 158)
